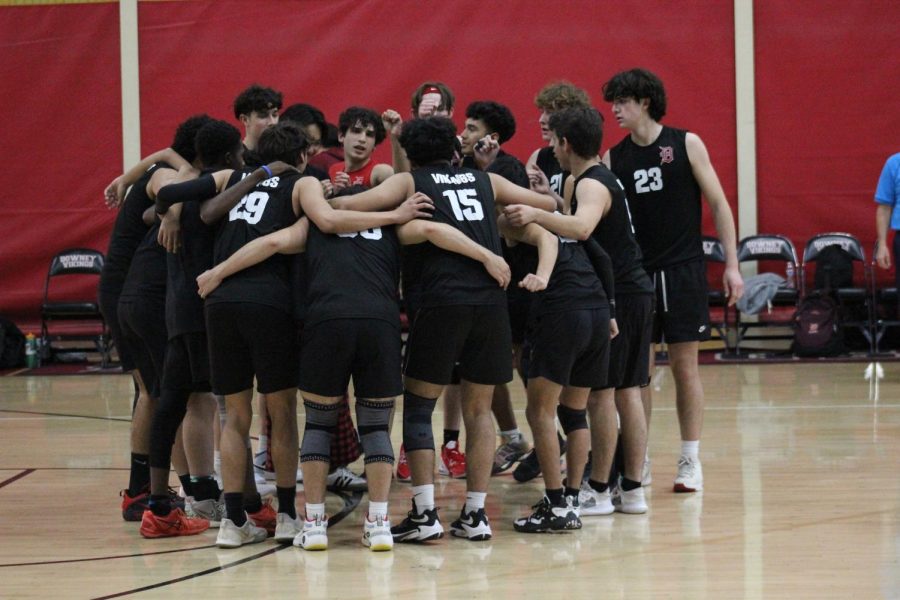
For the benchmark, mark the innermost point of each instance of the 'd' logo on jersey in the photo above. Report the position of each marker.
(666, 154)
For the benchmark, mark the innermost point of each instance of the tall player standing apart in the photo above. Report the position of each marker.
(665, 171)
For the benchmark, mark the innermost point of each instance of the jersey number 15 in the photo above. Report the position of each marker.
(465, 204)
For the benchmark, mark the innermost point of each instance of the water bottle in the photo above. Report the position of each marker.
(789, 275)
(31, 356)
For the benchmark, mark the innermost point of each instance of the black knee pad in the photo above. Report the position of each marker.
(571, 419)
(372, 421)
(417, 431)
(321, 424)
(167, 416)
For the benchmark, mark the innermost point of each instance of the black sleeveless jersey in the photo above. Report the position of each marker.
(615, 234)
(547, 163)
(127, 233)
(147, 274)
(664, 197)
(464, 199)
(184, 306)
(574, 284)
(266, 209)
(353, 275)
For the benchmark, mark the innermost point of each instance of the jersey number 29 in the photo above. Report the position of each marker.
(465, 204)
(250, 208)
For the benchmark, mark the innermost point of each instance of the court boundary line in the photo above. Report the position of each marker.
(50, 414)
(17, 477)
(351, 502)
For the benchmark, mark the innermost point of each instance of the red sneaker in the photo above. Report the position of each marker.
(403, 472)
(265, 518)
(173, 524)
(453, 462)
(133, 507)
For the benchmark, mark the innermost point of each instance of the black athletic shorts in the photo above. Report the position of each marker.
(109, 308)
(476, 337)
(629, 352)
(368, 350)
(519, 304)
(187, 363)
(571, 348)
(682, 309)
(247, 339)
(143, 327)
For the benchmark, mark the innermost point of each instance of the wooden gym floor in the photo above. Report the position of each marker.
(802, 501)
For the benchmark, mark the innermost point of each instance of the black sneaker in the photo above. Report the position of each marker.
(418, 527)
(529, 467)
(549, 518)
(472, 525)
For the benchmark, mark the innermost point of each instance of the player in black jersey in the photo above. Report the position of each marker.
(488, 126)
(543, 168)
(665, 171)
(570, 344)
(128, 231)
(582, 129)
(463, 319)
(176, 397)
(257, 109)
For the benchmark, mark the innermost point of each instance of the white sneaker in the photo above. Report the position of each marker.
(286, 528)
(377, 534)
(212, 510)
(690, 475)
(232, 536)
(264, 487)
(631, 502)
(594, 503)
(646, 477)
(259, 467)
(343, 479)
(313, 535)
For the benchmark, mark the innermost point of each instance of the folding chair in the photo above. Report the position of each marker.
(84, 322)
(714, 252)
(770, 248)
(848, 297)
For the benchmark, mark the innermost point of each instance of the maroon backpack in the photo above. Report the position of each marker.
(817, 327)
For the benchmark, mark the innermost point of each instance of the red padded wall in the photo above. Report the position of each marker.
(827, 113)
(826, 91)
(61, 139)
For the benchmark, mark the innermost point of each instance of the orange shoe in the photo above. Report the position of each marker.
(133, 507)
(265, 518)
(453, 462)
(173, 524)
(403, 472)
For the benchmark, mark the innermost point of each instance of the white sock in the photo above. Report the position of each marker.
(690, 449)
(511, 435)
(377, 509)
(263, 444)
(217, 461)
(475, 501)
(423, 496)
(314, 510)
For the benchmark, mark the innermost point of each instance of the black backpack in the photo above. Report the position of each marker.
(817, 326)
(834, 269)
(12, 345)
